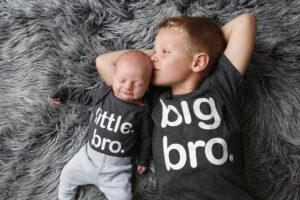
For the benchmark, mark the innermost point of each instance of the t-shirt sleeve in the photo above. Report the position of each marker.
(145, 150)
(153, 95)
(227, 77)
(80, 95)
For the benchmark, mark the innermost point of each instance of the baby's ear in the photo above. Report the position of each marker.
(200, 61)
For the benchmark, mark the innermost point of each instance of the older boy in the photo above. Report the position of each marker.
(197, 146)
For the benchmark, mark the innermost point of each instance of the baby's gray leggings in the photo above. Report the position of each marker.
(111, 174)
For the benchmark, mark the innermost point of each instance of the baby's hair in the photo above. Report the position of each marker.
(137, 58)
(201, 33)
(137, 55)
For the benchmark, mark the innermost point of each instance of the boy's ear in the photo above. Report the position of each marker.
(200, 61)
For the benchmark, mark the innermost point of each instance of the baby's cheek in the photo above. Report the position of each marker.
(140, 93)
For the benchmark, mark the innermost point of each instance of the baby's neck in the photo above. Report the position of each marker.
(139, 102)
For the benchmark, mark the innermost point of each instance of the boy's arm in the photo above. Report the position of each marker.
(106, 63)
(239, 35)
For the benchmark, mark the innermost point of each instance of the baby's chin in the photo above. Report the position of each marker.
(125, 97)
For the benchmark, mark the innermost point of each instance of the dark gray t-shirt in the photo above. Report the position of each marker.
(197, 144)
(118, 128)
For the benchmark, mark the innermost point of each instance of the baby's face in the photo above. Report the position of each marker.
(172, 60)
(130, 82)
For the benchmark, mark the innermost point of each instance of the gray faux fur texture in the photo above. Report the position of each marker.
(49, 43)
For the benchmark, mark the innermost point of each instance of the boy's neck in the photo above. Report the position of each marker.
(186, 88)
(182, 90)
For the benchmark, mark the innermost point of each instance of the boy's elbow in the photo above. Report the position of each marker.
(249, 20)
(98, 62)
(249, 16)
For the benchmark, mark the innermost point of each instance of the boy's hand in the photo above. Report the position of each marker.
(141, 169)
(57, 100)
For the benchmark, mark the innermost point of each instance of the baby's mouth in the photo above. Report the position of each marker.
(127, 93)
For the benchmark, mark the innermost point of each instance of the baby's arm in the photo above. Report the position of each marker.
(106, 63)
(79, 95)
(239, 34)
(145, 141)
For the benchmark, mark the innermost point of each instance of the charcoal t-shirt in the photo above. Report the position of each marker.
(196, 142)
(118, 128)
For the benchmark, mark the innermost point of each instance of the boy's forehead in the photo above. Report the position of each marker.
(169, 37)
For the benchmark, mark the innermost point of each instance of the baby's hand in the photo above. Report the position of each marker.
(57, 100)
(141, 169)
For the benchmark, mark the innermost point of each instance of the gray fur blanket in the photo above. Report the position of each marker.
(45, 44)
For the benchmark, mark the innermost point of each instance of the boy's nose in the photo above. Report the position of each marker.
(153, 58)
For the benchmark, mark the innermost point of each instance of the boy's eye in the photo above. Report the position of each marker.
(165, 51)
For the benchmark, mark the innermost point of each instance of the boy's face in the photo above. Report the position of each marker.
(172, 60)
(130, 82)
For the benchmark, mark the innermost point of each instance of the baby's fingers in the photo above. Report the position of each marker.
(141, 169)
(57, 100)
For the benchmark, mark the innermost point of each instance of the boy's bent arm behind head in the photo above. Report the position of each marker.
(239, 34)
(106, 64)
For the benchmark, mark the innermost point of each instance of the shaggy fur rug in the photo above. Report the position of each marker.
(50, 43)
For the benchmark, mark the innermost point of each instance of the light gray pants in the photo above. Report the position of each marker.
(111, 174)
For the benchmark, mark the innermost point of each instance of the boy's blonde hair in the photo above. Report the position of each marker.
(202, 35)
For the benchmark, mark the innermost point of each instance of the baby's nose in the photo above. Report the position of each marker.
(128, 85)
